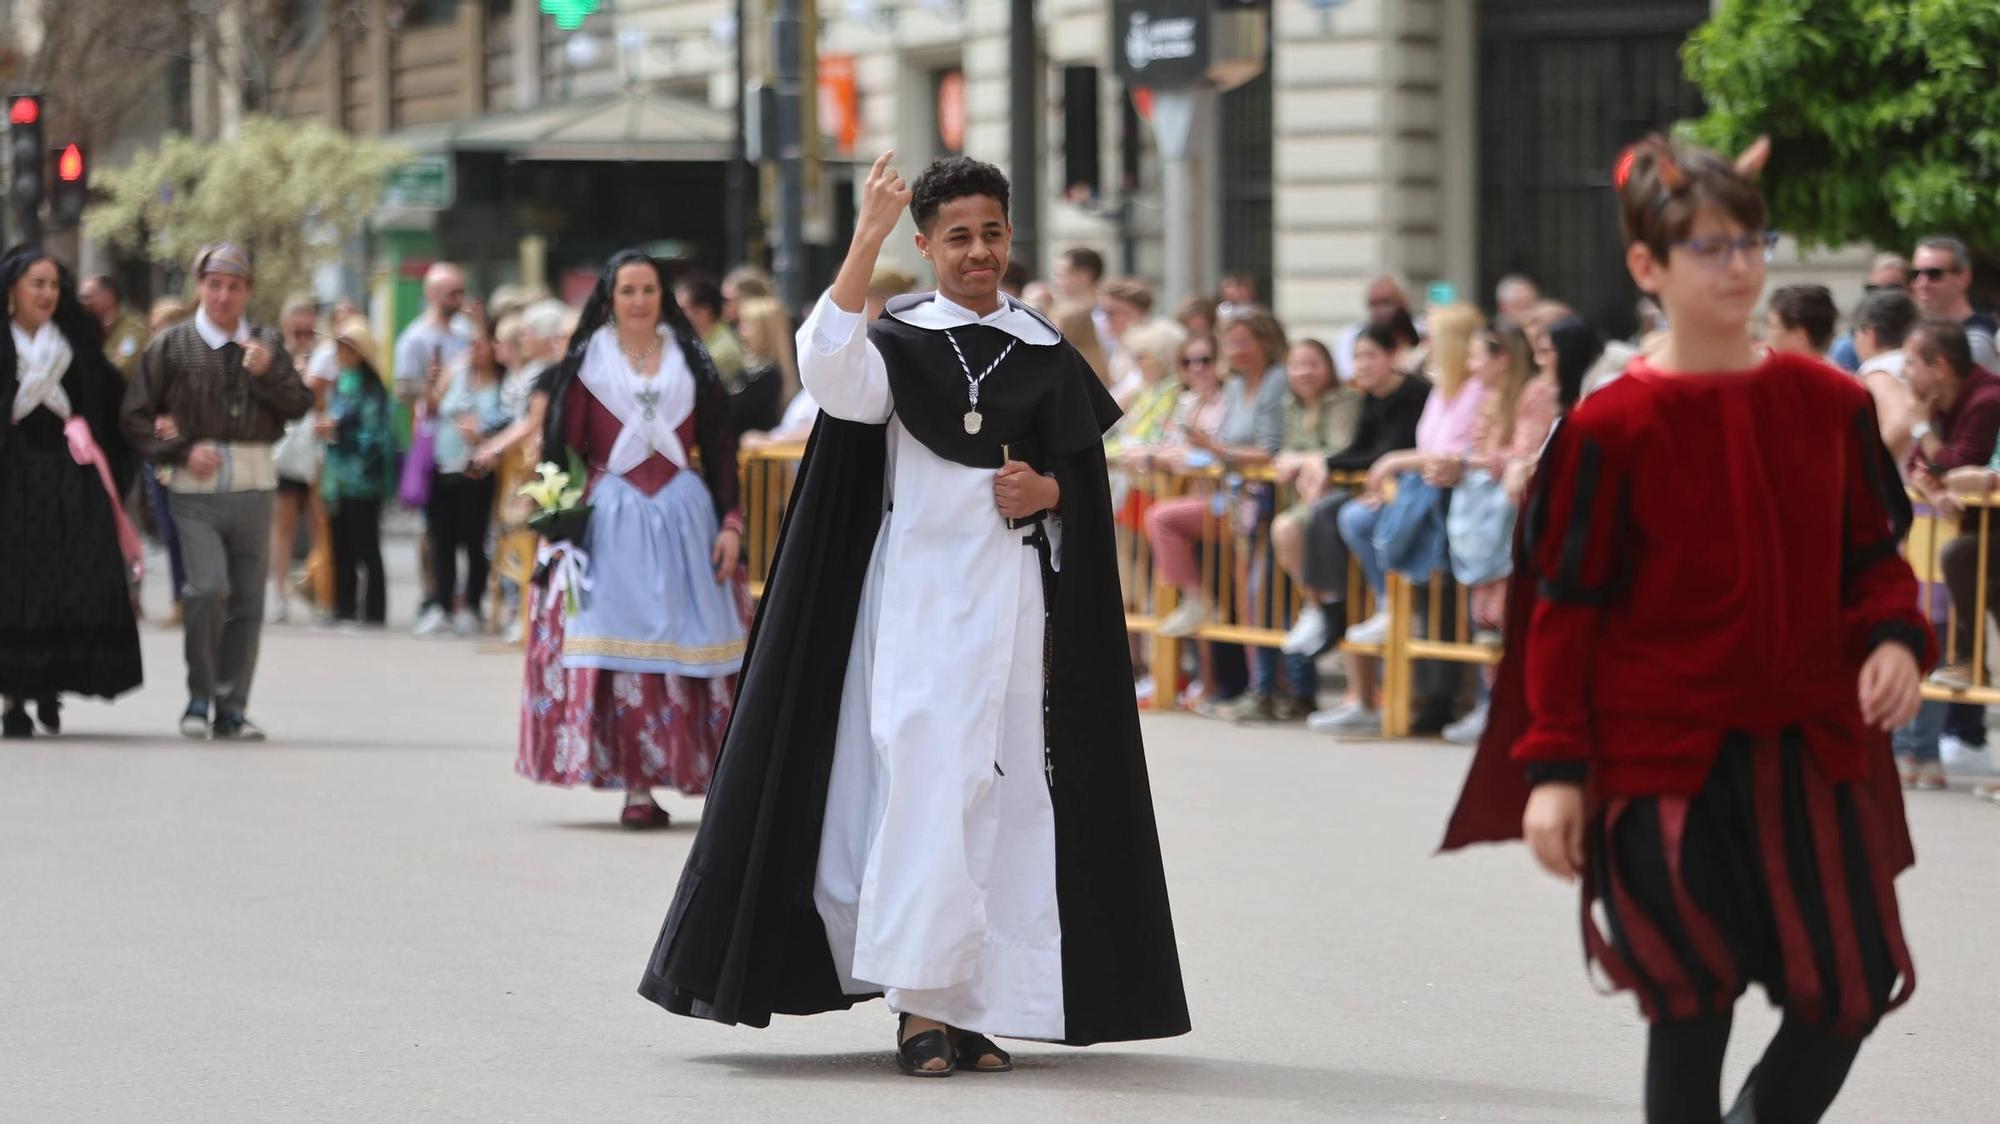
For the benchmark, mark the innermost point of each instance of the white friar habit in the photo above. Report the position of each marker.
(933, 787)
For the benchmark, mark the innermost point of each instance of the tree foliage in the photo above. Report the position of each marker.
(291, 193)
(1884, 114)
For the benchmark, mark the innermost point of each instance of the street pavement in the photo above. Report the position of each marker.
(371, 918)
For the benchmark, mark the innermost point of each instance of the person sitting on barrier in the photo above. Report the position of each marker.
(1320, 416)
(1443, 433)
(1311, 549)
(1404, 531)
(1882, 321)
(1153, 348)
(1251, 431)
(1801, 319)
(1958, 404)
(1520, 407)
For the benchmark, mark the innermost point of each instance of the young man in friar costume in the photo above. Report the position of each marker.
(933, 788)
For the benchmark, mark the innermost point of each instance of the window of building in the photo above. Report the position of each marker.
(1245, 120)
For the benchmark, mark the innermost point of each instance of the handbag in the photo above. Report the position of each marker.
(414, 491)
(1480, 530)
(1409, 534)
(296, 455)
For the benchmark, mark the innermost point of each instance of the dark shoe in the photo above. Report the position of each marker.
(640, 817)
(918, 1050)
(16, 725)
(236, 728)
(194, 721)
(975, 1049)
(49, 711)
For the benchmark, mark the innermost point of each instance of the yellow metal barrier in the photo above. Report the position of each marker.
(1924, 548)
(1253, 598)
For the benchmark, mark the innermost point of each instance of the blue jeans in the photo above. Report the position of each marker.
(1357, 530)
(1919, 739)
(1300, 675)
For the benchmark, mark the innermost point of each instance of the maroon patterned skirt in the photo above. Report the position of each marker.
(616, 729)
(1770, 873)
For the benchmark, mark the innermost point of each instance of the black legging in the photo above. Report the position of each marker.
(357, 546)
(1794, 1083)
(460, 509)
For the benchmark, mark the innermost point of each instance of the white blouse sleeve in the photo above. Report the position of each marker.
(840, 366)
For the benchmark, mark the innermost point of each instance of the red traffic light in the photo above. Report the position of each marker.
(69, 166)
(24, 111)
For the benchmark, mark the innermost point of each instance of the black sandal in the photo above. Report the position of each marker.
(930, 1046)
(974, 1048)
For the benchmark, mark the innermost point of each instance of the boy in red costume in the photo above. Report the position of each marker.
(1720, 632)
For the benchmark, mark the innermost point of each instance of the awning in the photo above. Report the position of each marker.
(632, 124)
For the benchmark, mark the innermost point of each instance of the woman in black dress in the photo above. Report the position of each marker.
(66, 618)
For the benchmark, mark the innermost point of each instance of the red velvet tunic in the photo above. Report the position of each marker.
(1717, 553)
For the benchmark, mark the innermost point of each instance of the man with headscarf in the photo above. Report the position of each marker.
(210, 398)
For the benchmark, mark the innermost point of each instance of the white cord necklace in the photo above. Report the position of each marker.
(972, 419)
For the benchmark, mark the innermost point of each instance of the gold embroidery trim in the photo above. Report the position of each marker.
(649, 650)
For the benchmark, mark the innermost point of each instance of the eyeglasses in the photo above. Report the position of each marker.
(1198, 361)
(1717, 253)
(1933, 274)
(1890, 288)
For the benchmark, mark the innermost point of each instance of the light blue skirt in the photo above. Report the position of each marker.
(654, 605)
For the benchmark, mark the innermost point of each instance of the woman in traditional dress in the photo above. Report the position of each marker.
(66, 618)
(634, 690)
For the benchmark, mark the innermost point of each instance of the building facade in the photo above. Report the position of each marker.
(1448, 141)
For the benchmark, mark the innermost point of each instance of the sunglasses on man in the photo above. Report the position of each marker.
(1933, 274)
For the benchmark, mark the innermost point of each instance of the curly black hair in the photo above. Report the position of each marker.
(954, 177)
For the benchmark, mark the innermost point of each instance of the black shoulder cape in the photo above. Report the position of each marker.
(742, 939)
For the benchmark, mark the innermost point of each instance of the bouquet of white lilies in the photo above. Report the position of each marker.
(560, 513)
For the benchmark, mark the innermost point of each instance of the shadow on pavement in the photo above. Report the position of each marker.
(1207, 1078)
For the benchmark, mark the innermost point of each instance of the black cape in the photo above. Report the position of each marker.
(742, 939)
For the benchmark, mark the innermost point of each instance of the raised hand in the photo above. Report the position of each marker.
(884, 198)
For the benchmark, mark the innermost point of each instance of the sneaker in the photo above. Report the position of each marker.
(1374, 630)
(1185, 619)
(1250, 706)
(1930, 776)
(194, 720)
(1959, 757)
(1953, 677)
(1467, 730)
(236, 728)
(1347, 718)
(465, 622)
(278, 611)
(431, 621)
(1308, 634)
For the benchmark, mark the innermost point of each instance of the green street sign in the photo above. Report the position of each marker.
(569, 14)
(424, 182)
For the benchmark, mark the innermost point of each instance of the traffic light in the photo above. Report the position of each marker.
(24, 150)
(72, 187)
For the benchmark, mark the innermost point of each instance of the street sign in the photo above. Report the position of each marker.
(425, 182)
(1161, 44)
